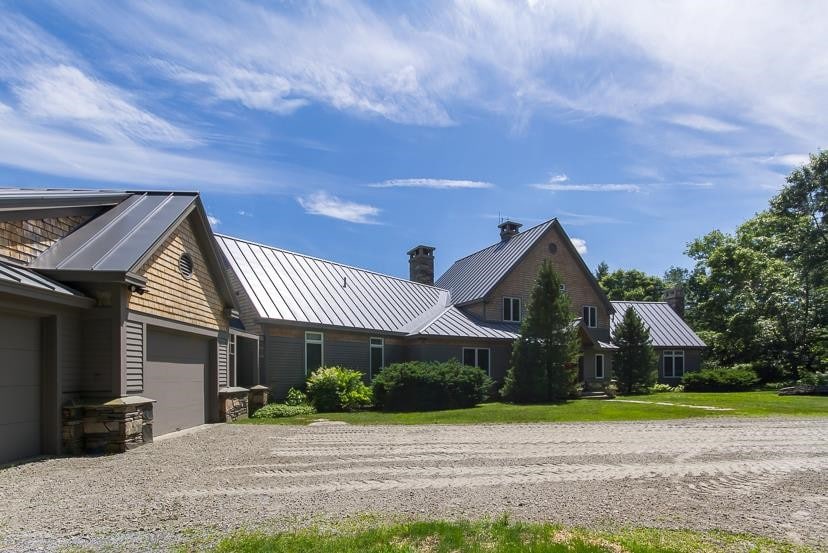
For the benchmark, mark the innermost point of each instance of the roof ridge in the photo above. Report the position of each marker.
(432, 321)
(355, 268)
(527, 231)
(639, 301)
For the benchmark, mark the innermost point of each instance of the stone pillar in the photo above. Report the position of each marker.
(232, 403)
(118, 425)
(73, 429)
(257, 397)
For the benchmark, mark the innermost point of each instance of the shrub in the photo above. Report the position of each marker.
(721, 379)
(421, 386)
(337, 389)
(814, 379)
(659, 387)
(279, 410)
(296, 397)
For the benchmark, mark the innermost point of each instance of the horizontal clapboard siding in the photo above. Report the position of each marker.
(134, 357)
(222, 360)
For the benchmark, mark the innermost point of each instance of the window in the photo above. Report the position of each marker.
(478, 357)
(511, 309)
(673, 363)
(377, 356)
(591, 316)
(231, 366)
(599, 365)
(314, 351)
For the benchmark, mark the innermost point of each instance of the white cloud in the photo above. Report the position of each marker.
(597, 187)
(788, 160)
(431, 183)
(580, 219)
(580, 245)
(558, 178)
(703, 123)
(322, 203)
(213, 220)
(244, 213)
(65, 94)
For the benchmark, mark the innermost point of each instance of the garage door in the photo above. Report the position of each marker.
(19, 387)
(174, 376)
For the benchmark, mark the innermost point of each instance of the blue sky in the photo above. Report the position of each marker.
(354, 132)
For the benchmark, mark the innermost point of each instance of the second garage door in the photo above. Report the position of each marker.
(19, 387)
(175, 376)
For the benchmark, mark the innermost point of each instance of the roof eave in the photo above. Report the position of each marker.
(51, 296)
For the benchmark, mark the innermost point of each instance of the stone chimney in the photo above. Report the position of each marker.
(421, 264)
(508, 229)
(675, 299)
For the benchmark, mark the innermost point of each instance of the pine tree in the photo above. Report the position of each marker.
(542, 367)
(634, 364)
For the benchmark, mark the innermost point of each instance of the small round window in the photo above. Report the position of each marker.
(185, 265)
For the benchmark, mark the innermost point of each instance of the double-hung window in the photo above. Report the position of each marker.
(377, 355)
(590, 316)
(314, 351)
(673, 363)
(511, 309)
(478, 357)
(599, 366)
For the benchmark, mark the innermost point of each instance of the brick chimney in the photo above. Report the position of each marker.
(675, 299)
(421, 264)
(508, 229)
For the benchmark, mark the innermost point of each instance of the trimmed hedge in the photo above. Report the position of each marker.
(280, 410)
(337, 389)
(737, 378)
(430, 386)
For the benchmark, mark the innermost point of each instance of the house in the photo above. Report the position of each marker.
(311, 312)
(114, 320)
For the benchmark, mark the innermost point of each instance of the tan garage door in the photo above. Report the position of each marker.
(175, 376)
(19, 387)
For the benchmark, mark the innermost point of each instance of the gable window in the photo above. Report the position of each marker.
(478, 357)
(377, 356)
(599, 366)
(314, 351)
(673, 363)
(591, 316)
(511, 309)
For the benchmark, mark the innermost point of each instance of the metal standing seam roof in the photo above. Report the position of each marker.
(24, 277)
(473, 277)
(288, 286)
(119, 238)
(667, 329)
(455, 323)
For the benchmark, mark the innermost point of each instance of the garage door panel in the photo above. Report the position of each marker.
(19, 387)
(175, 376)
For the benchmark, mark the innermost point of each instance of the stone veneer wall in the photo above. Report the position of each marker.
(112, 427)
(233, 403)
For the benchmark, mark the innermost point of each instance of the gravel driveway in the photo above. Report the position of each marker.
(768, 476)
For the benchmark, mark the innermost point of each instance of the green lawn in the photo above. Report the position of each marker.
(743, 403)
(501, 536)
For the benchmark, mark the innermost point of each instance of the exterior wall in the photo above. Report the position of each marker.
(520, 282)
(170, 295)
(23, 241)
(692, 362)
(247, 313)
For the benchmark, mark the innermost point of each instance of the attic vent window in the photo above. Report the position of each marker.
(553, 248)
(185, 265)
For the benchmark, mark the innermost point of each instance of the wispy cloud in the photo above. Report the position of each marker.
(580, 245)
(213, 220)
(703, 123)
(787, 160)
(322, 203)
(579, 219)
(594, 187)
(244, 213)
(431, 183)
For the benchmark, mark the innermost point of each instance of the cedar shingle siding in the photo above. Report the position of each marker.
(23, 241)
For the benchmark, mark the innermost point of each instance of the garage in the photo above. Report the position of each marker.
(175, 375)
(19, 387)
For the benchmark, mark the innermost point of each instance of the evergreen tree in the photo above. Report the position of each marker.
(542, 367)
(634, 363)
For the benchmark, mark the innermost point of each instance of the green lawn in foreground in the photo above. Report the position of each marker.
(743, 403)
(501, 536)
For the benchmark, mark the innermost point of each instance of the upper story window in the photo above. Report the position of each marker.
(314, 351)
(590, 316)
(511, 309)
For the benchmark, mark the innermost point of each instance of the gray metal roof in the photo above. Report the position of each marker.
(24, 202)
(288, 286)
(454, 322)
(19, 276)
(667, 329)
(474, 276)
(118, 239)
